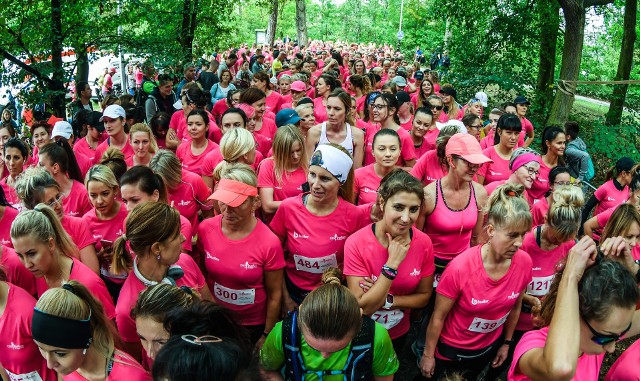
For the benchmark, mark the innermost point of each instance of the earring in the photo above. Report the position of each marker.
(158, 257)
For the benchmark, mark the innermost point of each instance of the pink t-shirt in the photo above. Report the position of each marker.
(124, 368)
(626, 366)
(127, 150)
(84, 275)
(77, 203)
(527, 126)
(315, 243)
(496, 171)
(187, 232)
(424, 147)
(20, 355)
(609, 196)
(178, 123)
(10, 195)
(587, 369)
(214, 158)
(428, 168)
(408, 125)
(219, 108)
(16, 273)
(431, 137)
(81, 148)
(543, 270)
(84, 164)
(268, 129)
(107, 230)
(365, 184)
(360, 103)
(541, 184)
(263, 144)
(274, 102)
(319, 110)
(539, 210)
(407, 151)
(79, 231)
(235, 268)
(364, 256)
(289, 186)
(191, 162)
(9, 215)
(133, 287)
(488, 141)
(190, 196)
(450, 230)
(482, 304)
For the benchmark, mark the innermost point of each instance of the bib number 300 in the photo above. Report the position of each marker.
(237, 297)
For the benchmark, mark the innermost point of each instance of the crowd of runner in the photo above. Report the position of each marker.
(289, 213)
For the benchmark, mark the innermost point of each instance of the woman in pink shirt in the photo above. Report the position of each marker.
(420, 98)
(314, 226)
(192, 98)
(273, 100)
(47, 251)
(192, 153)
(558, 177)
(480, 294)
(553, 145)
(244, 259)
(150, 254)
(283, 175)
(394, 256)
(78, 340)
(231, 101)
(547, 245)
(507, 132)
(385, 115)
(583, 316)
(284, 89)
(615, 190)
(423, 132)
(143, 143)
(41, 136)
(361, 86)
(19, 357)
(325, 85)
(598, 222)
(522, 105)
(452, 110)
(524, 167)
(626, 366)
(114, 118)
(88, 121)
(386, 150)
(265, 126)
(37, 186)
(59, 161)
(187, 191)
(15, 156)
(105, 221)
(7, 215)
(624, 222)
(490, 129)
(433, 165)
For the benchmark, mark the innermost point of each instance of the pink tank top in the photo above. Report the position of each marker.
(449, 229)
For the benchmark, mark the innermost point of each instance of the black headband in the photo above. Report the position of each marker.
(61, 332)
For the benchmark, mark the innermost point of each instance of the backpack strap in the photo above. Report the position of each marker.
(293, 366)
(360, 362)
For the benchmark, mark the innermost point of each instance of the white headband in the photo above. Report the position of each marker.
(333, 160)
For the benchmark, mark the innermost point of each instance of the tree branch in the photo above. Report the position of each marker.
(24, 66)
(591, 3)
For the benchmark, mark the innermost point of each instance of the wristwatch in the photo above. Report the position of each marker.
(638, 273)
(388, 303)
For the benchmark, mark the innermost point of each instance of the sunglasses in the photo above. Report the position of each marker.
(602, 339)
(436, 107)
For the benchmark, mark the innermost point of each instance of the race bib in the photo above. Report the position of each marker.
(388, 318)
(32, 376)
(539, 286)
(237, 297)
(486, 326)
(436, 280)
(315, 265)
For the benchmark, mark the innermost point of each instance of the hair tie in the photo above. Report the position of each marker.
(69, 287)
(187, 290)
(511, 193)
(331, 279)
(192, 339)
(124, 237)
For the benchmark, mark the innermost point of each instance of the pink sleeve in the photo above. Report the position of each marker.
(173, 123)
(202, 191)
(83, 238)
(208, 164)
(266, 175)
(408, 151)
(190, 267)
(428, 266)
(277, 224)
(530, 340)
(274, 258)
(17, 274)
(604, 217)
(449, 284)
(353, 263)
(418, 170)
(601, 191)
(187, 232)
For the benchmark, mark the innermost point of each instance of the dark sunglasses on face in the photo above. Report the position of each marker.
(436, 107)
(602, 339)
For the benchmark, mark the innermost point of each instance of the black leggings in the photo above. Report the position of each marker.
(469, 369)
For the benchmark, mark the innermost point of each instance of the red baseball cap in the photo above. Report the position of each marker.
(232, 192)
(467, 147)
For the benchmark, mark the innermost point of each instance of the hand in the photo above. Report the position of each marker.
(259, 344)
(427, 365)
(105, 256)
(398, 248)
(502, 354)
(172, 135)
(288, 306)
(581, 256)
(618, 249)
(366, 284)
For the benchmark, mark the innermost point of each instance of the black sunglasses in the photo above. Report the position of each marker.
(436, 107)
(602, 339)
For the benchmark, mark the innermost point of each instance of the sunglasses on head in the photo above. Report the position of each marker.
(602, 339)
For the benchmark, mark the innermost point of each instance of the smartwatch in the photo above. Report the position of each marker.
(388, 303)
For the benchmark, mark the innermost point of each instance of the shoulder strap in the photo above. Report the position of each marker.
(293, 365)
(360, 362)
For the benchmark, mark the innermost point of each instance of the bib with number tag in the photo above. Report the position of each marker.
(32, 376)
(237, 297)
(388, 318)
(539, 286)
(315, 265)
(486, 326)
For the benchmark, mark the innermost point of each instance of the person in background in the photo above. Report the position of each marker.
(15, 156)
(161, 99)
(423, 132)
(522, 105)
(506, 138)
(524, 166)
(473, 124)
(386, 151)
(576, 155)
(552, 148)
(189, 76)
(83, 98)
(490, 128)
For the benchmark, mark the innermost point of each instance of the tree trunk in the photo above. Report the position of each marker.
(57, 84)
(574, 16)
(614, 116)
(187, 30)
(447, 33)
(273, 22)
(301, 22)
(82, 64)
(549, 14)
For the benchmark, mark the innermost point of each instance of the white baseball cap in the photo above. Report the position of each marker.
(483, 98)
(114, 112)
(62, 129)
